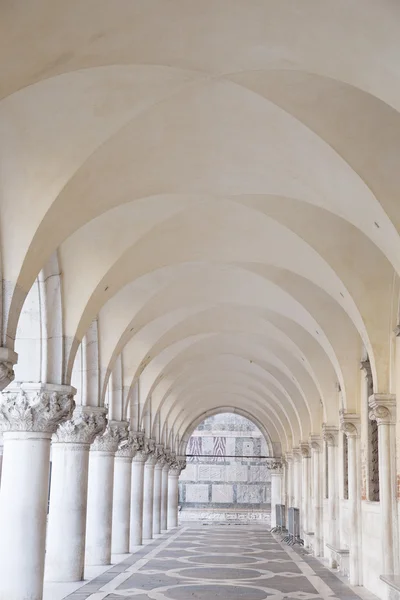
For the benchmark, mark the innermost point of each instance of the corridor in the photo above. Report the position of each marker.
(228, 562)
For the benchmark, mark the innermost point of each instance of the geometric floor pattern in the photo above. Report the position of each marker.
(227, 562)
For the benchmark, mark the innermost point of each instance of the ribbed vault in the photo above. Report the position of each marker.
(216, 185)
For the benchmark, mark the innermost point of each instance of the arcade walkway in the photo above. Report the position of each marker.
(225, 562)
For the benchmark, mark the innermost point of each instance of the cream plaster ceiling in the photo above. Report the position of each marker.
(220, 181)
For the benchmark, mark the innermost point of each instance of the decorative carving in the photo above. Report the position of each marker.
(296, 454)
(7, 374)
(276, 466)
(315, 442)
(330, 433)
(85, 424)
(305, 449)
(39, 410)
(383, 408)
(365, 366)
(349, 423)
(128, 448)
(114, 433)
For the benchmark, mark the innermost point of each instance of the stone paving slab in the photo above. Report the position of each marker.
(227, 563)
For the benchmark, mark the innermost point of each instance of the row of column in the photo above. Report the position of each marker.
(301, 470)
(110, 489)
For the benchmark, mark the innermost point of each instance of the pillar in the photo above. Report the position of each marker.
(289, 484)
(383, 410)
(164, 494)
(349, 424)
(316, 448)
(100, 493)
(330, 435)
(29, 415)
(66, 529)
(161, 461)
(1, 454)
(306, 488)
(276, 469)
(148, 492)
(175, 470)
(136, 520)
(121, 512)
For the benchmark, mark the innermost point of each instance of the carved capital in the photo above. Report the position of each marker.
(129, 447)
(85, 424)
(276, 466)
(289, 458)
(160, 456)
(296, 454)
(349, 423)
(383, 409)
(8, 358)
(36, 408)
(315, 442)
(330, 433)
(114, 433)
(305, 449)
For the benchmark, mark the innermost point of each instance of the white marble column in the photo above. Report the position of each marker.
(100, 493)
(164, 493)
(136, 524)
(316, 448)
(66, 528)
(121, 511)
(305, 488)
(289, 484)
(1, 454)
(330, 435)
(383, 410)
(173, 478)
(161, 461)
(148, 491)
(276, 469)
(349, 424)
(29, 415)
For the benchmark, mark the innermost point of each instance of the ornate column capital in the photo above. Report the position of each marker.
(315, 442)
(8, 359)
(85, 424)
(296, 454)
(36, 407)
(128, 447)
(349, 423)
(160, 456)
(150, 446)
(383, 409)
(144, 447)
(276, 466)
(114, 433)
(305, 449)
(330, 433)
(289, 458)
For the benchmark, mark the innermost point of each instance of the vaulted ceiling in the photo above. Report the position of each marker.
(221, 183)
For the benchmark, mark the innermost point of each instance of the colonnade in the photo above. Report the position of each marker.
(312, 482)
(111, 488)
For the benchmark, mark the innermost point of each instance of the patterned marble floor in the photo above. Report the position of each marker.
(235, 562)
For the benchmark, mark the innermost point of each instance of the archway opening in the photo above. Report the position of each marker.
(227, 477)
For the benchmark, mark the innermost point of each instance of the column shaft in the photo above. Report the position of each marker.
(172, 519)
(306, 492)
(65, 552)
(99, 511)
(276, 491)
(317, 500)
(148, 499)
(121, 504)
(157, 499)
(23, 515)
(164, 497)
(66, 528)
(136, 525)
(29, 415)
